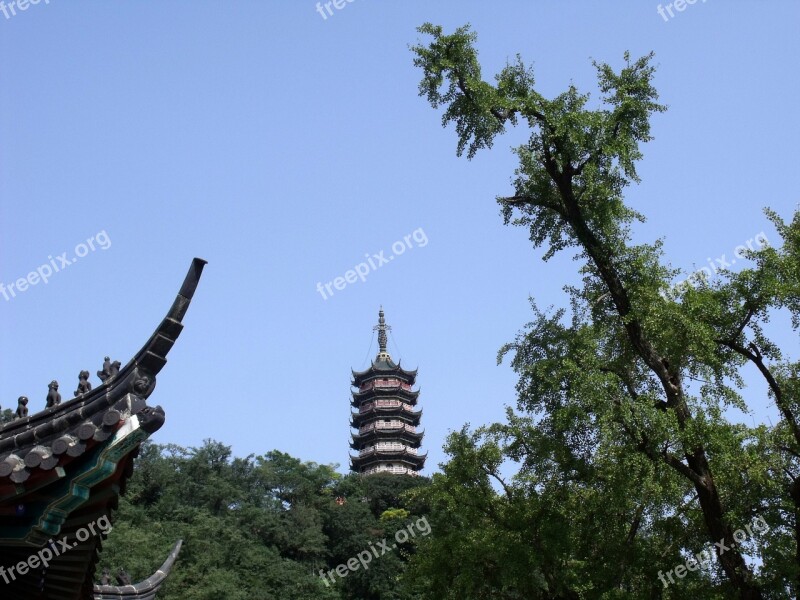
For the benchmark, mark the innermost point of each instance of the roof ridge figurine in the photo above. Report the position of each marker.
(53, 397)
(83, 383)
(110, 369)
(22, 407)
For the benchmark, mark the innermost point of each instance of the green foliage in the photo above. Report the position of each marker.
(625, 459)
(6, 416)
(394, 514)
(256, 527)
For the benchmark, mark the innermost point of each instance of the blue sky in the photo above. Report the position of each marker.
(283, 147)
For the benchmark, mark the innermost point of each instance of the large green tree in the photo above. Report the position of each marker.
(628, 461)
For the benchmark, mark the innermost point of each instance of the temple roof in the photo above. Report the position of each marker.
(62, 469)
(145, 590)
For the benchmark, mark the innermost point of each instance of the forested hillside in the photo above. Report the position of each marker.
(264, 527)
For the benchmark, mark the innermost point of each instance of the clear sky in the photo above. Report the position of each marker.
(283, 147)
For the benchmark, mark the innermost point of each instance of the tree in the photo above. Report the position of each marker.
(633, 381)
(374, 508)
(6, 416)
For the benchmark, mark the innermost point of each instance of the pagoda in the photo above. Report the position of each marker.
(385, 416)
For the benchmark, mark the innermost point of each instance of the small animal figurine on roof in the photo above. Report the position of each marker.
(53, 397)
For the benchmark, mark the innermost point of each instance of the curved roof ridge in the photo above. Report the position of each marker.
(144, 590)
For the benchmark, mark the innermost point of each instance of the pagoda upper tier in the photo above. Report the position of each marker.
(384, 388)
(384, 367)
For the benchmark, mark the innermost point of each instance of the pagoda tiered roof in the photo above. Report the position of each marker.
(410, 437)
(62, 471)
(375, 456)
(380, 388)
(373, 410)
(384, 366)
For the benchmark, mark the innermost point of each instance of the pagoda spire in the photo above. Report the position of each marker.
(382, 328)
